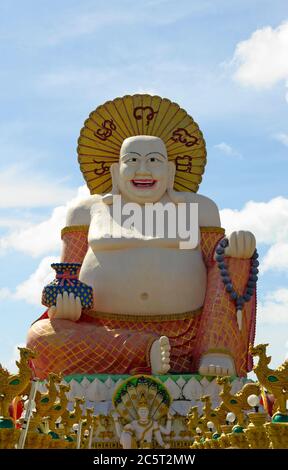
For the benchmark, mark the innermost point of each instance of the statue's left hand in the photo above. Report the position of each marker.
(68, 307)
(242, 244)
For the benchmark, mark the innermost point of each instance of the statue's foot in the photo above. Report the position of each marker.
(160, 356)
(217, 364)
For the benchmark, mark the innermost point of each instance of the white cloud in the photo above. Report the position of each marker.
(31, 289)
(281, 137)
(273, 309)
(269, 223)
(20, 187)
(276, 258)
(5, 293)
(37, 239)
(44, 237)
(10, 364)
(13, 222)
(267, 220)
(261, 60)
(225, 148)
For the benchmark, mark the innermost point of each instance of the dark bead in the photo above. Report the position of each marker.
(251, 283)
(222, 265)
(253, 277)
(226, 280)
(220, 258)
(240, 302)
(224, 243)
(233, 295)
(255, 255)
(229, 288)
(219, 250)
(254, 270)
(224, 272)
(255, 263)
(249, 290)
(247, 297)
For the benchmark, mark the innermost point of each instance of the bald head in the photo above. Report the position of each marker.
(143, 145)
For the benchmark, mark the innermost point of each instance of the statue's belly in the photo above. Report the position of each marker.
(145, 280)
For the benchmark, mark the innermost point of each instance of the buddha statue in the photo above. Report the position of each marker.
(157, 307)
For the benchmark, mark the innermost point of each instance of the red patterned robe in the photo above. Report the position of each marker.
(120, 344)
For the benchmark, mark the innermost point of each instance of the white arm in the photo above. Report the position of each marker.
(118, 426)
(158, 437)
(68, 307)
(166, 429)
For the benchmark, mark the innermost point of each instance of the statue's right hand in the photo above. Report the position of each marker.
(68, 307)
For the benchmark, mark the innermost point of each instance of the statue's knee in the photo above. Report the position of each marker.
(43, 332)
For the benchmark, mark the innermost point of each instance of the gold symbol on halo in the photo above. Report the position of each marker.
(180, 135)
(100, 168)
(139, 112)
(184, 163)
(106, 130)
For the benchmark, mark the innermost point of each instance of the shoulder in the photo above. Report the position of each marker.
(79, 213)
(208, 211)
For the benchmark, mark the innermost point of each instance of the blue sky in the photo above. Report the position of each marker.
(225, 62)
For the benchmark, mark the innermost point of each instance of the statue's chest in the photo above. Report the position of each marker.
(143, 431)
(167, 221)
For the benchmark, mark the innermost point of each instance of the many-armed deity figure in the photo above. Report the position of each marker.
(141, 432)
(156, 308)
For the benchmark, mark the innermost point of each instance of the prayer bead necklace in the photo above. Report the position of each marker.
(251, 284)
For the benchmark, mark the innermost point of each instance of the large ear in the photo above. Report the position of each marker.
(171, 174)
(114, 170)
(175, 197)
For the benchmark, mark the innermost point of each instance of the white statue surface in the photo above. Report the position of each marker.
(135, 275)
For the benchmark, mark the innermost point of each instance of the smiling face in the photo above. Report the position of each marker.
(143, 173)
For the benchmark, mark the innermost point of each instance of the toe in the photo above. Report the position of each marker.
(164, 341)
(165, 368)
(218, 370)
(165, 355)
(203, 370)
(212, 369)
